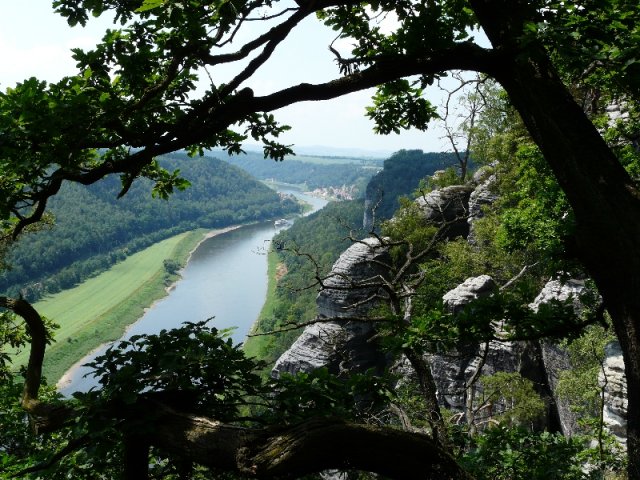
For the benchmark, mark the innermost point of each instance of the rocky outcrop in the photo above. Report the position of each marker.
(560, 291)
(454, 371)
(612, 378)
(400, 176)
(338, 340)
(354, 277)
(338, 346)
(341, 343)
(481, 197)
(556, 359)
(448, 207)
(469, 290)
(347, 294)
(540, 362)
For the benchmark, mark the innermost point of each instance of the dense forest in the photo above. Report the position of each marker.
(401, 175)
(311, 175)
(93, 228)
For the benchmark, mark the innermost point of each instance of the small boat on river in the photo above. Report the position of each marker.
(282, 222)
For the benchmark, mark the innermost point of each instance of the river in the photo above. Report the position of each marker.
(225, 279)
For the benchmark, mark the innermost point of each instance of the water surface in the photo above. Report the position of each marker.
(225, 280)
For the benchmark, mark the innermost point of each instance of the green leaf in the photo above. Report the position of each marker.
(149, 5)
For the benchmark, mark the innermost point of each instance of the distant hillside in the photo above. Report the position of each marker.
(314, 172)
(94, 229)
(325, 151)
(400, 176)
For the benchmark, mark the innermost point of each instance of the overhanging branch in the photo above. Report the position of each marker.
(212, 116)
(463, 56)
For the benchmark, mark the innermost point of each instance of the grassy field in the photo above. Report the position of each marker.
(254, 346)
(278, 185)
(100, 309)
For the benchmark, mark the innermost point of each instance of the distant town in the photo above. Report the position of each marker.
(345, 192)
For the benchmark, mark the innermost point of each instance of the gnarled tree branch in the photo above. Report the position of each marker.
(38, 334)
(312, 446)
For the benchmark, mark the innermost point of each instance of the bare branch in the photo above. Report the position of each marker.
(290, 326)
(275, 36)
(518, 276)
(270, 17)
(469, 387)
(464, 129)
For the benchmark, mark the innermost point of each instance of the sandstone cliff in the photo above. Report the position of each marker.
(341, 342)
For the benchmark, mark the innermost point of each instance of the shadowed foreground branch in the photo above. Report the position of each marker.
(312, 446)
(38, 335)
(43, 417)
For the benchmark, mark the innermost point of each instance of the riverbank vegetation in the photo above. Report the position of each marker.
(100, 309)
(255, 347)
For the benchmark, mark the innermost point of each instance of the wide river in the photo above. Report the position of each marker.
(225, 279)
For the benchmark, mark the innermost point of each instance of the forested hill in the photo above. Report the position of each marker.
(317, 172)
(93, 229)
(401, 176)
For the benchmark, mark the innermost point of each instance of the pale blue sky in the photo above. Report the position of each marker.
(36, 42)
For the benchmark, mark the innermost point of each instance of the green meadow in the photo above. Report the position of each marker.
(255, 346)
(100, 309)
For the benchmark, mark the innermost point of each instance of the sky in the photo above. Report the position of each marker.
(34, 41)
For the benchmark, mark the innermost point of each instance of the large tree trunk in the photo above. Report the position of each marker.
(605, 200)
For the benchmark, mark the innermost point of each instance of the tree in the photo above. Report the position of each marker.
(133, 100)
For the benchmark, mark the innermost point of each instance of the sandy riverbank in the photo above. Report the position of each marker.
(66, 379)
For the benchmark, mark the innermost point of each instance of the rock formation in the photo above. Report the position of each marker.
(612, 378)
(449, 207)
(401, 175)
(454, 371)
(341, 345)
(481, 197)
(469, 290)
(556, 359)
